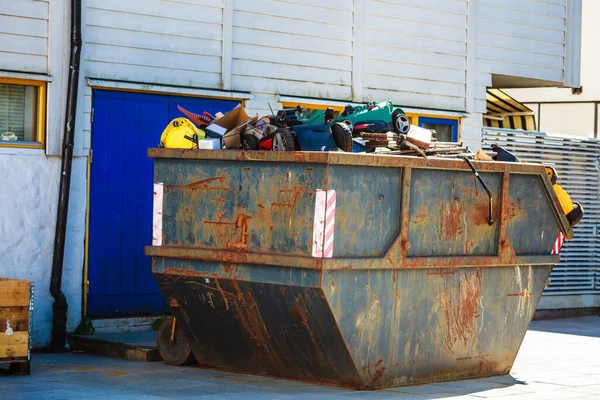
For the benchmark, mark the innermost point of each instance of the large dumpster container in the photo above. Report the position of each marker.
(364, 271)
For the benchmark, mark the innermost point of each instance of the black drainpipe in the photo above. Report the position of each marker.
(59, 321)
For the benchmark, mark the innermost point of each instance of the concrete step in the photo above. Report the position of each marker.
(133, 346)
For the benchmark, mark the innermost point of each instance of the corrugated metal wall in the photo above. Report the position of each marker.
(577, 161)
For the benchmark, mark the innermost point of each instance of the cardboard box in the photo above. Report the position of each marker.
(230, 125)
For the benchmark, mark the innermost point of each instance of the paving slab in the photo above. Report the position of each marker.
(554, 362)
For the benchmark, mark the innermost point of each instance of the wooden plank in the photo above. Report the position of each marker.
(153, 58)
(275, 24)
(108, 70)
(14, 293)
(388, 24)
(290, 72)
(15, 345)
(17, 316)
(20, 26)
(23, 44)
(529, 6)
(291, 41)
(408, 99)
(520, 31)
(27, 9)
(403, 41)
(291, 57)
(152, 41)
(161, 9)
(428, 16)
(414, 85)
(145, 23)
(291, 88)
(415, 57)
(532, 21)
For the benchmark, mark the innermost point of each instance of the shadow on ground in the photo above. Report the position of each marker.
(582, 326)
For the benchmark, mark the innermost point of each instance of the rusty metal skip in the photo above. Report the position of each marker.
(364, 271)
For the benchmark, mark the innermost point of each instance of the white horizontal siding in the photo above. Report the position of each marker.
(24, 35)
(155, 41)
(299, 48)
(523, 38)
(415, 53)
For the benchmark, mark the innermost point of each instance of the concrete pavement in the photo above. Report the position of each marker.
(559, 359)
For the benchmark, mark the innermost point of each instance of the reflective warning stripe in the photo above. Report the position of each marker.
(157, 214)
(558, 244)
(324, 224)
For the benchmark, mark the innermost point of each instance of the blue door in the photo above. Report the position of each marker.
(125, 125)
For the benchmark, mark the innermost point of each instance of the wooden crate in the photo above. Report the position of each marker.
(16, 308)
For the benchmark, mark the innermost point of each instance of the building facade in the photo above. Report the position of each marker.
(142, 59)
(572, 111)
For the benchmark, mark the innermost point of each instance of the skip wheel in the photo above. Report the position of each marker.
(173, 345)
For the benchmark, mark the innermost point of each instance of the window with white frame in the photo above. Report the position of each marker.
(21, 114)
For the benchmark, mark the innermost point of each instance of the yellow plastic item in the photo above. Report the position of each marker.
(564, 199)
(174, 135)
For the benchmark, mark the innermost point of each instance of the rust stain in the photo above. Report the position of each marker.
(441, 272)
(301, 311)
(333, 283)
(481, 214)
(246, 168)
(451, 220)
(459, 306)
(205, 184)
(282, 290)
(524, 293)
(292, 194)
(239, 224)
(421, 217)
(218, 199)
(260, 205)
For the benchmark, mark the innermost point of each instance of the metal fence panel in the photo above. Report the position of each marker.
(577, 161)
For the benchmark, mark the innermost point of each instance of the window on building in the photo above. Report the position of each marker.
(445, 130)
(21, 112)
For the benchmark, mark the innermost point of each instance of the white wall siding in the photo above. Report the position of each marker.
(523, 38)
(293, 47)
(415, 53)
(155, 41)
(24, 35)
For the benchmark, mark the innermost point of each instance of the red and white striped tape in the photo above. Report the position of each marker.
(324, 224)
(558, 244)
(157, 214)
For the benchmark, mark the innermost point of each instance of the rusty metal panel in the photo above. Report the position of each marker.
(263, 328)
(368, 209)
(416, 326)
(449, 213)
(530, 225)
(243, 272)
(256, 207)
